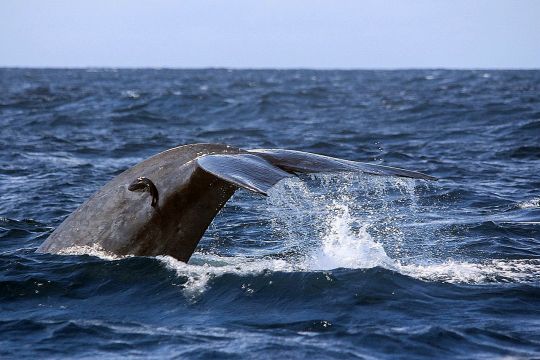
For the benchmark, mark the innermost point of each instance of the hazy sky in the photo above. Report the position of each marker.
(271, 34)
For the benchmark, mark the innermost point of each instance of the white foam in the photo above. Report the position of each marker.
(489, 271)
(132, 94)
(94, 250)
(204, 267)
(529, 204)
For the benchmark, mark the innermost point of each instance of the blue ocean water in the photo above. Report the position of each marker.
(342, 266)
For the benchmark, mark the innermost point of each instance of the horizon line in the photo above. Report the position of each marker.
(264, 68)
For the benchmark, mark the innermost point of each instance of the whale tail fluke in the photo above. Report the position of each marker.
(188, 186)
(260, 169)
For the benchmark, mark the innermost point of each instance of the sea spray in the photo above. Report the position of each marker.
(341, 248)
(347, 212)
(358, 221)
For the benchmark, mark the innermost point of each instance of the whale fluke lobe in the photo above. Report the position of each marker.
(246, 171)
(303, 162)
(194, 181)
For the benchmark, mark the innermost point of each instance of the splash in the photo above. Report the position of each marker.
(341, 248)
(353, 221)
(365, 222)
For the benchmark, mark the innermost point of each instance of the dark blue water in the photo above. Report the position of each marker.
(326, 267)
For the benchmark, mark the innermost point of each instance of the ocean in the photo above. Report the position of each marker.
(335, 266)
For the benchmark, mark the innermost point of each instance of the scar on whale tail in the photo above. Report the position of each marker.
(187, 186)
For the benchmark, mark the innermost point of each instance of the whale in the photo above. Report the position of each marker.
(164, 204)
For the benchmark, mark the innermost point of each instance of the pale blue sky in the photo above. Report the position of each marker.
(271, 34)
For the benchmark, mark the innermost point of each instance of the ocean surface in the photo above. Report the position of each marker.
(330, 266)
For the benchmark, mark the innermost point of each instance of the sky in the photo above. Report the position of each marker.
(327, 34)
